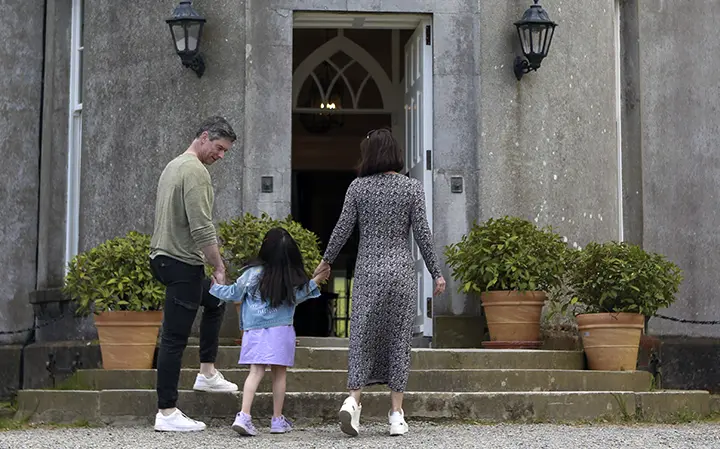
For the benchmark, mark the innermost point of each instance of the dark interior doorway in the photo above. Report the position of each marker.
(318, 203)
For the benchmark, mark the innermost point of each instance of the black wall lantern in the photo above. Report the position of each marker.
(535, 30)
(186, 26)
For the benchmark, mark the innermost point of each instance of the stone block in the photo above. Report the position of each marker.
(672, 405)
(57, 319)
(715, 403)
(458, 331)
(11, 356)
(690, 364)
(36, 356)
(50, 406)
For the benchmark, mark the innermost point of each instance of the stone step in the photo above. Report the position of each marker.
(139, 406)
(336, 358)
(308, 342)
(299, 380)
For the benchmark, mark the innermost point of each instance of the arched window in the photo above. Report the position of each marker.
(342, 77)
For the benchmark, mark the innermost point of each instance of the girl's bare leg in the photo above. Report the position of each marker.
(279, 385)
(251, 385)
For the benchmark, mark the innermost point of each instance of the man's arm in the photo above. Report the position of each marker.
(198, 208)
(212, 256)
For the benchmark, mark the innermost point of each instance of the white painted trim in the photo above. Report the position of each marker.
(72, 217)
(357, 20)
(359, 55)
(618, 122)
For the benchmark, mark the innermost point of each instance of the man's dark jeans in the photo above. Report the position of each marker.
(187, 288)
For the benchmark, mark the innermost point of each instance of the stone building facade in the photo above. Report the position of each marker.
(613, 138)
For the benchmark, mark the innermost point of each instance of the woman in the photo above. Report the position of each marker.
(386, 205)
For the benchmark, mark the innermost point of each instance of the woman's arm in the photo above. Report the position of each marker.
(421, 231)
(344, 226)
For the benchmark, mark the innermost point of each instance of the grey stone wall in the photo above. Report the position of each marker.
(548, 143)
(680, 119)
(142, 108)
(21, 50)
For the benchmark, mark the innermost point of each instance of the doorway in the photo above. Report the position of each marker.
(349, 76)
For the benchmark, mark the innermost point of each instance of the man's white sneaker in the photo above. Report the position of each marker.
(350, 417)
(177, 421)
(214, 384)
(398, 426)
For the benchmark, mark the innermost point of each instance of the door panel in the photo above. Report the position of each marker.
(418, 148)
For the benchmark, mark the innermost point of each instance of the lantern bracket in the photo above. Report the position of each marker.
(522, 66)
(196, 64)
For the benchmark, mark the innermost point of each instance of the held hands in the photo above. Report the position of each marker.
(439, 286)
(322, 273)
(217, 278)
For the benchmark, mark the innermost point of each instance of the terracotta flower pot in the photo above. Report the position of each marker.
(128, 339)
(513, 316)
(611, 340)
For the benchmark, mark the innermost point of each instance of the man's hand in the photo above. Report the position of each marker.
(218, 277)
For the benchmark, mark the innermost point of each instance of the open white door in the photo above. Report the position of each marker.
(418, 147)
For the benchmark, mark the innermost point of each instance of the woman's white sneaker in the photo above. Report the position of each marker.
(214, 384)
(350, 417)
(398, 426)
(177, 421)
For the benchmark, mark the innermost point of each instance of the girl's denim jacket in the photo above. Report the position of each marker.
(256, 312)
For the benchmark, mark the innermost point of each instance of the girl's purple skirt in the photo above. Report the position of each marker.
(272, 346)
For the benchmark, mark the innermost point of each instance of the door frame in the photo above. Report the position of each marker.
(392, 90)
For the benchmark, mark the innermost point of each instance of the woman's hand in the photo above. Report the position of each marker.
(323, 266)
(439, 286)
(322, 276)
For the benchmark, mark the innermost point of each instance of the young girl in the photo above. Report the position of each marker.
(268, 292)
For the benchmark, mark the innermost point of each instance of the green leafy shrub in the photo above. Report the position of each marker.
(113, 276)
(241, 239)
(508, 253)
(621, 277)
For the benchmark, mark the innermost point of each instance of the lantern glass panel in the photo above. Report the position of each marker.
(193, 33)
(525, 39)
(537, 39)
(178, 31)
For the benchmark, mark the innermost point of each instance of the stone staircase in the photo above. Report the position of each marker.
(458, 384)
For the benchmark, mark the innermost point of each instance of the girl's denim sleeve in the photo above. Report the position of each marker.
(234, 292)
(307, 291)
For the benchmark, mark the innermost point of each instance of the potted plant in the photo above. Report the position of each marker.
(241, 239)
(617, 286)
(511, 263)
(114, 281)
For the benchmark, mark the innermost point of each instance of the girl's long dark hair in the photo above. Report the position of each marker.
(283, 268)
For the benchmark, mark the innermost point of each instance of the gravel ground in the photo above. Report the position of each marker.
(422, 435)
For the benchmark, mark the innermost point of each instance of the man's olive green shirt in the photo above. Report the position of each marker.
(183, 211)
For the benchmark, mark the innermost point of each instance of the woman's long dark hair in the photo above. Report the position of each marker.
(283, 268)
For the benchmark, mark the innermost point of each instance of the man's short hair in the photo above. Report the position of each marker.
(217, 128)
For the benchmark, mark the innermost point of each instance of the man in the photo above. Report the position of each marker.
(183, 241)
